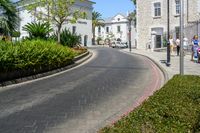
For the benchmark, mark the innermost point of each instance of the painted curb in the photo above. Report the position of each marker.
(77, 61)
(166, 75)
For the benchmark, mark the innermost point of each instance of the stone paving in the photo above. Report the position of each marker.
(190, 68)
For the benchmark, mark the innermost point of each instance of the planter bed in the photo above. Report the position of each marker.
(175, 108)
(33, 57)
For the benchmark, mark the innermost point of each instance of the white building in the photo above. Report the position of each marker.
(83, 27)
(152, 21)
(116, 28)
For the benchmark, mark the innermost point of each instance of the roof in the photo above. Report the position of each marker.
(109, 20)
(120, 14)
(91, 1)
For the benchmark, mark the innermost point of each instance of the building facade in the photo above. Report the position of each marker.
(83, 27)
(116, 29)
(152, 21)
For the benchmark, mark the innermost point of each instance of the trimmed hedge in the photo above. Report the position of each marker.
(173, 109)
(33, 56)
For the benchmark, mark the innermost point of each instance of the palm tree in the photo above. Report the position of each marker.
(134, 1)
(132, 17)
(37, 30)
(96, 22)
(8, 17)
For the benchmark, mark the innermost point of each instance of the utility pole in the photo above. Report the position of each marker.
(181, 37)
(168, 35)
(129, 27)
(130, 36)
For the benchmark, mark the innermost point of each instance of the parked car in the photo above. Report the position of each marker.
(113, 45)
(125, 44)
(121, 44)
(118, 44)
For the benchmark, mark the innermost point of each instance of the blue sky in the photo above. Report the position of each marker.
(109, 8)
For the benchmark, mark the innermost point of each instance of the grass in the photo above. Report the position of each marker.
(175, 108)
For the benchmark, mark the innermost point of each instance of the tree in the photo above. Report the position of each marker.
(96, 22)
(132, 17)
(56, 11)
(37, 30)
(8, 17)
(134, 1)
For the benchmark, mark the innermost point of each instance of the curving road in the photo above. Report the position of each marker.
(80, 100)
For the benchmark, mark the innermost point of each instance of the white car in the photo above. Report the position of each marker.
(113, 45)
(125, 45)
(118, 44)
(121, 45)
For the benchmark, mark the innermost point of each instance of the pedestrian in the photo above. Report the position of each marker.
(195, 45)
(178, 46)
(171, 41)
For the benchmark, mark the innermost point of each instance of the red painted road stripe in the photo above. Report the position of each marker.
(154, 85)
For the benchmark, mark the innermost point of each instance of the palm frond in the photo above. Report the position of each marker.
(37, 30)
(9, 18)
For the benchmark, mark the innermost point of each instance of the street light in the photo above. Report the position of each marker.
(129, 28)
(181, 37)
(168, 35)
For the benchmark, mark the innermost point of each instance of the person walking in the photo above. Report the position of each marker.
(178, 46)
(195, 45)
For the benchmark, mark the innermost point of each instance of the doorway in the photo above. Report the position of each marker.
(158, 41)
(85, 40)
(158, 37)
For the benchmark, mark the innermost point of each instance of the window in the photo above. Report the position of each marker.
(177, 30)
(99, 29)
(157, 9)
(74, 29)
(118, 19)
(178, 6)
(107, 29)
(118, 29)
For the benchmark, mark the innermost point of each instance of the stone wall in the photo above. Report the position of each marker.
(146, 20)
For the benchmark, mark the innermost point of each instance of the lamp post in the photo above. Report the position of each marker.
(181, 37)
(129, 28)
(168, 35)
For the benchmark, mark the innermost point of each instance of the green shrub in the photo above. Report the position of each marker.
(173, 109)
(15, 34)
(37, 30)
(33, 54)
(67, 38)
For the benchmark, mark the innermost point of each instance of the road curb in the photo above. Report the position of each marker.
(166, 75)
(77, 61)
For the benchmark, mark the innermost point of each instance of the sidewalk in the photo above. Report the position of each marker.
(190, 68)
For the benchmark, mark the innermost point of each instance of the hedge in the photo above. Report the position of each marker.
(34, 55)
(173, 109)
